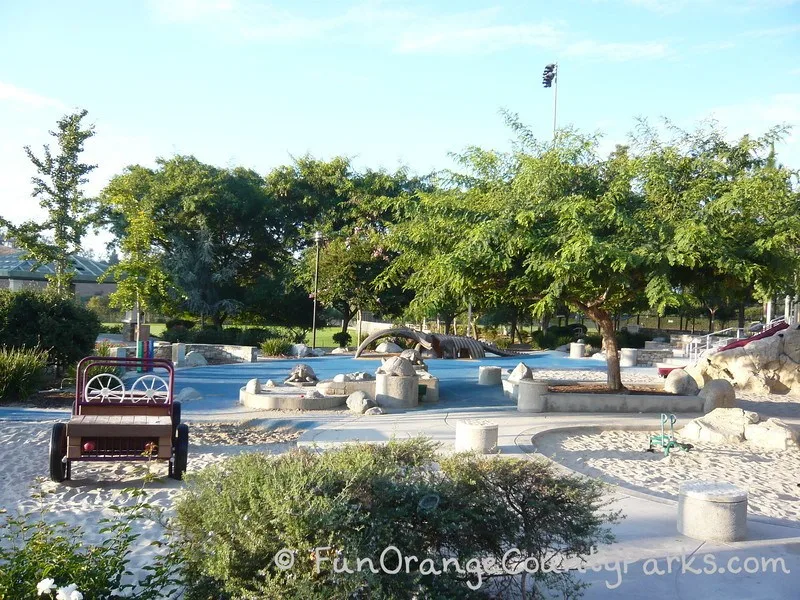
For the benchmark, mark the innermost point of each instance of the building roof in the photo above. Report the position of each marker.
(13, 265)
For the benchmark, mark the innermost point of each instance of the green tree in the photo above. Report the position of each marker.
(69, 211)
(204, 284)
(140, 274)
(213, 233)
(556, 223)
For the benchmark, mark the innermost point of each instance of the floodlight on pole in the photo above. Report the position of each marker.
(317, 240)
(550, 79)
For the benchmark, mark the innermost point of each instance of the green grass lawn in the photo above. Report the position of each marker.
(324, 334)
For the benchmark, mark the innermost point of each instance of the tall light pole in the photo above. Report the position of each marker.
(550, 79)
(317, 240)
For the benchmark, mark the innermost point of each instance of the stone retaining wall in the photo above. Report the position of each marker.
(648, 357)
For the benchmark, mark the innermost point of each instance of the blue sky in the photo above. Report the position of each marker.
(388, 83)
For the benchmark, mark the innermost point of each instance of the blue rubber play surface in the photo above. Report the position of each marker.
(219, 384)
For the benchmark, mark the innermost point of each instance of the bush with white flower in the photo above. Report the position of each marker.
(51, 560)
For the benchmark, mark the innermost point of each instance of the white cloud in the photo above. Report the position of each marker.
(617, 52)
(177, 11)
(757, 116)
(402, 29)
(18, 95)
(785, 30)
(478, 39)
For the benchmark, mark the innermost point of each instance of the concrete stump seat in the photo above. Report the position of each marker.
(577, 350)
(478, 435)
(628, 357)
(712, 510)
(396, 391)
(532, 396)
(490, 375)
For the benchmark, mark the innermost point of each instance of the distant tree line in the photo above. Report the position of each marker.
(686, 223)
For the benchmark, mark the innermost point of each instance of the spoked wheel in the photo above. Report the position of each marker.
(59, 466)
(151, 388)
(180, 453)
(104, 387)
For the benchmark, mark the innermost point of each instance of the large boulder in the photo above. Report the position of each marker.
(359, 402)
(357, 376)
(396, 366)
(299, 350)
(253, 387)
(195, 359)
(341, 351)
(188, 394)
(521, 371)
(768, 365)
(722, 425)
(388, 348)
(681, 383)
(772, 434)
(375, 410)
(718, 393)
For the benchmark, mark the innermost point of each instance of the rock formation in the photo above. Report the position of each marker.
(768, 365)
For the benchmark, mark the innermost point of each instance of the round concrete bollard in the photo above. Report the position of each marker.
(532, 396)
(577, 350)
(490, 375)
(710, 510)
(627, 357)
(396, 391)
(476, 435)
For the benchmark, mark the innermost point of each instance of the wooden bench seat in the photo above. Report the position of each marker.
(120, 426)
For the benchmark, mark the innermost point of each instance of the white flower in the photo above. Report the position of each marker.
(45, 586)
(69, 592)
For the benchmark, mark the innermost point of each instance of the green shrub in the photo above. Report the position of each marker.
(550, 340)
(355, 502)
(22, 371)
(595, 340)
(276, 347)
(64, 328)
(254, 336)
(343, 338)
(214, 335)
(175, 334)
(626, 339)
(185, 323)
(33, 549)
(111, 328)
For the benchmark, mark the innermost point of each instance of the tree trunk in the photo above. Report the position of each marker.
(347, 314)
(219, 319)
(658, 322)
(741, 316)
(606, 326)
(513, 327)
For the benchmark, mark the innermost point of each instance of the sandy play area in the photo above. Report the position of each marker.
(618, 457)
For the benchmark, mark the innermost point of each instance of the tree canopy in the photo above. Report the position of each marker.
(556, 222)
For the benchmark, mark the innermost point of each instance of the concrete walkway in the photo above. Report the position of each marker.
(650, 559)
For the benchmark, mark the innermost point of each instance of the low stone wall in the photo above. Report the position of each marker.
(213, 353)
(626, 403)
(649, 357)
(651, 345)
(605, 403)
(287, 399)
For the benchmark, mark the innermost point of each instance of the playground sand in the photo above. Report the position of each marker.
(94, 487)
(618, 457)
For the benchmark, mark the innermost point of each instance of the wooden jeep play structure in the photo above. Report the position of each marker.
(112, 423)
